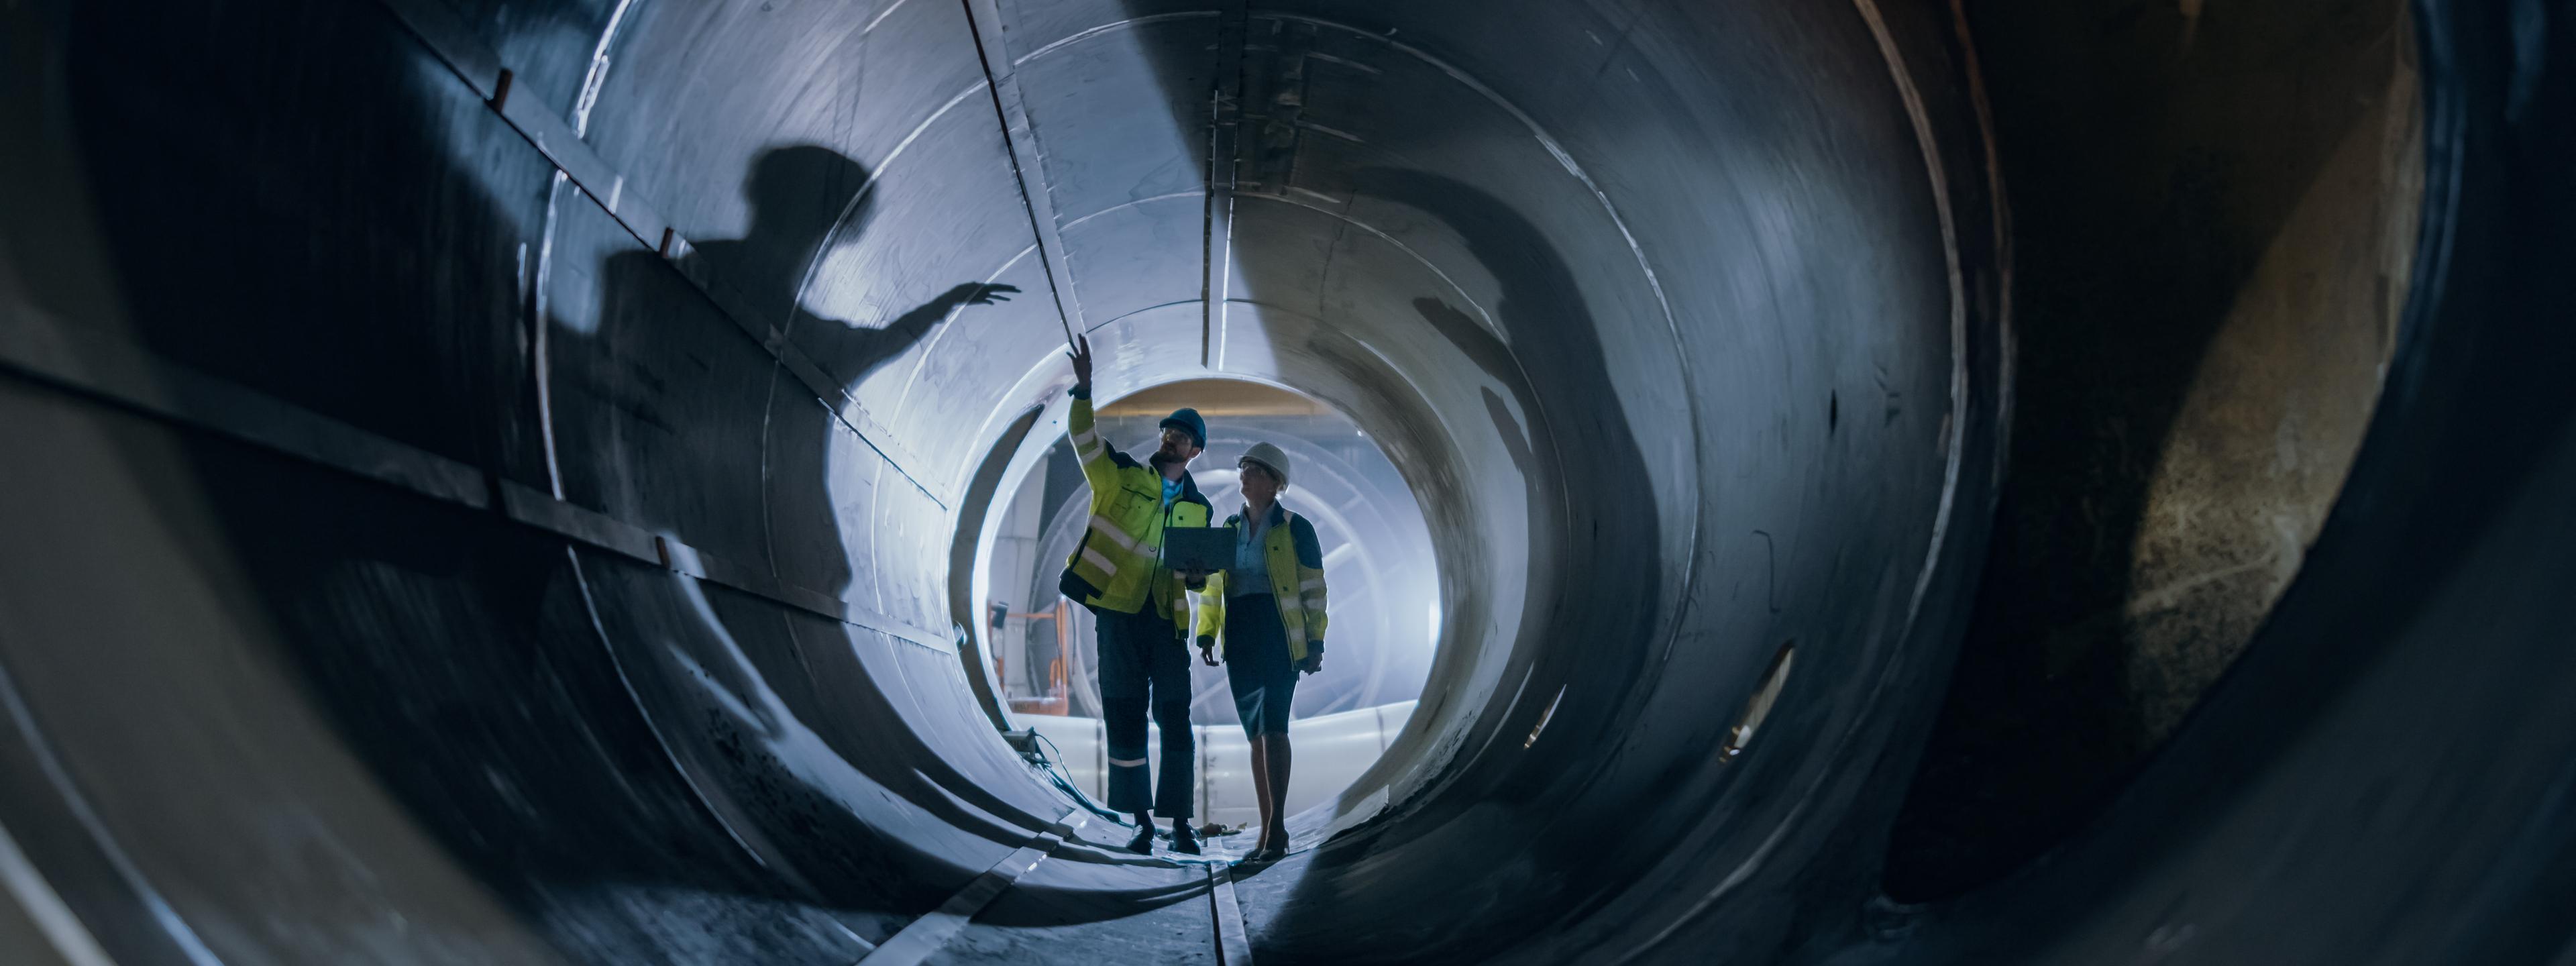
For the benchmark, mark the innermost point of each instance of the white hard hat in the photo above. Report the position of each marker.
(1270, 459)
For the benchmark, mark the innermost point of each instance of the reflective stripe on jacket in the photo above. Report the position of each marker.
(1117, 565)
(1296, 562)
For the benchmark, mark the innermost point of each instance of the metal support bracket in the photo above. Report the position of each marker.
(38, 348)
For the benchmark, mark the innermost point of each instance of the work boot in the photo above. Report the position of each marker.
(1143, 843)
(1184, 841)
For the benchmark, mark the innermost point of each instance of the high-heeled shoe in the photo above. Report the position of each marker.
(1259, 857)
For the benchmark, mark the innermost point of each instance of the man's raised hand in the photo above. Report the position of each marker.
(1081, 356)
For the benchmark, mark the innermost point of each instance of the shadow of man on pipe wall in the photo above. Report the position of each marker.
(798, 195)
(460, 656)
(513, 658)
(805, 202)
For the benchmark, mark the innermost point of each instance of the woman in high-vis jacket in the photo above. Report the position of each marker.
(1269, 607)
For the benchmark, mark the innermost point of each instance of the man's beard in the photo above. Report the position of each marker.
(1162, 459)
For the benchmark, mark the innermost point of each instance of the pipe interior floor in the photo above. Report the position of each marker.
(1038, 924)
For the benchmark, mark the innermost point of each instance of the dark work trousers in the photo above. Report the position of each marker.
(1143, 663)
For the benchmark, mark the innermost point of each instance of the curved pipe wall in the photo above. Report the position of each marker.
(502, 466)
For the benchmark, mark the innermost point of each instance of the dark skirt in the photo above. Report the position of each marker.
(1257, 665)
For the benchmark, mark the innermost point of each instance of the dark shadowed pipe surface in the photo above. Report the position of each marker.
(482, 482)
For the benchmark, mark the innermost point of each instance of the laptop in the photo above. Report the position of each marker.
(1198, 548)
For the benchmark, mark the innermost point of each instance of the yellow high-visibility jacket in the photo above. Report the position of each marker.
(1296, 561)
(1117, 565)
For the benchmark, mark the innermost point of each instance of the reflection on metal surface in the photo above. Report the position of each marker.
(1543, 718)
(1758, 706)
(40, 903)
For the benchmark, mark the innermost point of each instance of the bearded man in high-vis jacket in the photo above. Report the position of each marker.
(1142, 608)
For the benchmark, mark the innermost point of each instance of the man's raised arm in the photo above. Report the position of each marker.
(1088, 450)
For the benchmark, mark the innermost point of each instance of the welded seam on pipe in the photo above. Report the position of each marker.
(1224, 161)
(1955, 428)
(1114, 25)
(714, 806)
(1454, 288)
(871, 26)
(540, 334)
(1132, 203)
(1028, 159)
(177, 395)
(924, 937)
(2000, 210)
(480, 69)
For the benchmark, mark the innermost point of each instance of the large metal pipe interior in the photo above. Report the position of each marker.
(1905, 482)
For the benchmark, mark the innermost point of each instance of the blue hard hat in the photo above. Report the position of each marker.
(1187, 418)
